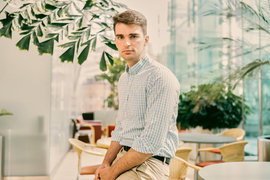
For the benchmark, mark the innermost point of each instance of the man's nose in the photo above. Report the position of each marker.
(127, 43)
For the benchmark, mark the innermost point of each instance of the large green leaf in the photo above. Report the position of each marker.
(102, 64)
(66, 45)
(79, 22)
(46, 47)
(111, 45)
(35, 39)
(40, 16)
(39, 31)
(24, 43)
(60, 12)
(73, 37)
(88, 5)
(50, 7)
(68, 55)
(57, 25)
(6, 31)
(20, 19)
(78, 45)
(84, 54)
(25, 27)
(94, 43)
(110, 58)
(88, 33)
(9, 18)
(51, 35)
(24, 5)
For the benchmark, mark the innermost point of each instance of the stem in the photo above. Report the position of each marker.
(4, 8)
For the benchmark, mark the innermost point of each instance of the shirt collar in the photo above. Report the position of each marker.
(138, 66)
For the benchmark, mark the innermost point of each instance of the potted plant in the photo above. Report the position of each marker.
(112, 76)
(210, 106)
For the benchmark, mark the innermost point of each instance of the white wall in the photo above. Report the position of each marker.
(24, 91)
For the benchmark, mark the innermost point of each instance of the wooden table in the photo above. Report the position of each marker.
(104, 142)
(237, 171)
(200, 138)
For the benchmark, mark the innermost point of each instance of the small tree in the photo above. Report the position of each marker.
(112, 76)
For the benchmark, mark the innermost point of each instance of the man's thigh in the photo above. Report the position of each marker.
(128, 175)
(151, 169)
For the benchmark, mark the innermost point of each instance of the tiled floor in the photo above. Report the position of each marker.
(67, 169)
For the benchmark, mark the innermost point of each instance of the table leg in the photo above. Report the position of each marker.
(198, 159)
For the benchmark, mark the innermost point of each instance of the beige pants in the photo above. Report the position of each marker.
(150, 169)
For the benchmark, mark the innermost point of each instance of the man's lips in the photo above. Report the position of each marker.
(127, 51)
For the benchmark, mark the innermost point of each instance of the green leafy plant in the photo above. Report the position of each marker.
(5, 112)
(76, 25)
(112, 76)
(210, 106)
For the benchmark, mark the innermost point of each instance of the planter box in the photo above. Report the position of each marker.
(264, 148)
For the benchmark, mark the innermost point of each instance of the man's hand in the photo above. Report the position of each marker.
(107, 174)
(97, 173)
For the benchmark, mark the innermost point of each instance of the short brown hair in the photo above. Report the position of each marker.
(131, 17)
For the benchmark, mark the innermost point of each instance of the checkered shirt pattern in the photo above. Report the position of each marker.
(148, 106)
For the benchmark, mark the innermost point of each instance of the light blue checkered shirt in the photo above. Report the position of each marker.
(148, 106)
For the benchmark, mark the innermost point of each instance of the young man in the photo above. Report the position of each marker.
(145, 137)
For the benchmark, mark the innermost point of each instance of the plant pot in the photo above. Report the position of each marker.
(264, 148)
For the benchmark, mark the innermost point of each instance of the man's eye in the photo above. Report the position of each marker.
(119, 37)
(134, 36)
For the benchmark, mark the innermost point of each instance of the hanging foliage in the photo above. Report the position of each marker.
(78, 26)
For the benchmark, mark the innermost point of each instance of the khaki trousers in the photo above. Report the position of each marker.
(151, 169)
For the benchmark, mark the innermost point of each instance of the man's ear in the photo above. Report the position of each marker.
(146, 40)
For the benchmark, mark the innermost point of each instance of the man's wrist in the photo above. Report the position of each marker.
(114, 171)
(106, 164)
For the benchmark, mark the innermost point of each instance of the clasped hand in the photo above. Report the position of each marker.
(104, 173)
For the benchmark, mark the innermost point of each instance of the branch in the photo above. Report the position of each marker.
(4, 7)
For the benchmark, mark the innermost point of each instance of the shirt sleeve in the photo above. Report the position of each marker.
(162, 98)
(115, 132)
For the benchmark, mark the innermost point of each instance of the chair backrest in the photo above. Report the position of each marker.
(109, 130)
(82, 147)
(233, 152)
(236, 133)
(183, 153)
(178, 168)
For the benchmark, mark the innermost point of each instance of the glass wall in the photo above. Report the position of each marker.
(193, 66)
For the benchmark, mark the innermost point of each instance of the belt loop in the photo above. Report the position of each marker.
(164, 160)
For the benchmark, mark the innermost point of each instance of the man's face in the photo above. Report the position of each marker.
(131, 42)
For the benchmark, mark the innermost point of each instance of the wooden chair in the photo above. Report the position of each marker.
(89, 149)
(178, 168)
(109, 129)
(234, 132)
(231, 152)
(183, 153)
(84, 129)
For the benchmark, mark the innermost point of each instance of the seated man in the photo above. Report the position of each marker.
(146, 136)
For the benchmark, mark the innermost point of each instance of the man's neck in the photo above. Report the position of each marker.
(133, 62)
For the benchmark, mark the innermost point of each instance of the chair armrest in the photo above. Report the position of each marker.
(194, 167)
(207, 149)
